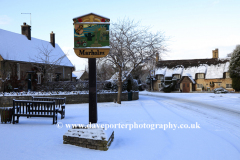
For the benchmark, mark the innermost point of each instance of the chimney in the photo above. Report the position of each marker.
(26, 30)
(215, 53)
(52, 39)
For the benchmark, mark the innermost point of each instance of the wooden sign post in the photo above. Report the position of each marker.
(91, 40)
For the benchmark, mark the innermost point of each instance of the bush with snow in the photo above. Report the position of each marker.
(234, 68)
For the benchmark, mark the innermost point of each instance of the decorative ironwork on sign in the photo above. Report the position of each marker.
(91, 36)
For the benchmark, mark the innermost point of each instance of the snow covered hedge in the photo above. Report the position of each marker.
(112, 84)
(234, 68)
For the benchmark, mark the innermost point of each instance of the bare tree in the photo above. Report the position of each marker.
(46, 62)
(132, 45)
(104, 70)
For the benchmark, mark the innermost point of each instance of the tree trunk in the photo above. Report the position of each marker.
(119, 86)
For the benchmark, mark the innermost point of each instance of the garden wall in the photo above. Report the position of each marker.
(6, 101)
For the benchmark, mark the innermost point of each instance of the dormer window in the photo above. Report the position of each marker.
(159, 77)
(200, 75)
(227, 75)
(176, 76)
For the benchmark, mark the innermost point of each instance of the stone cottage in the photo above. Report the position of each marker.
(27, 62)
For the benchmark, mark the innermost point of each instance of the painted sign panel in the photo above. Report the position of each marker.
(91, 36)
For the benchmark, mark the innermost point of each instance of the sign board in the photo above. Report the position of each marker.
(91, 36)
(152, 73)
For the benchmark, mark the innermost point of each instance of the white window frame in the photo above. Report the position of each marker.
(39, 78)
(227, 85)
(199, 85)
(200, 75)
(159, 85)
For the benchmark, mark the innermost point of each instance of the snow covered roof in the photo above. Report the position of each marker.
(17, 47)
(169, 72)
(78, 74)
(226, 67)
(189, 76)
(189, 71)
(160, 71)
(73, 75)
(178, 70)
(215, 71)
(211, 71)
(201, 69)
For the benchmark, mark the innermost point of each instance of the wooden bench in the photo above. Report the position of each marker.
(59, 103)
(34, 109)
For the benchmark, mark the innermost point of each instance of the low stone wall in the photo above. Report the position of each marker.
(6, 101)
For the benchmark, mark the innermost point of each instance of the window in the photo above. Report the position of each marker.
(50, 77)
(227, 75)
(200, 75)
(159, 77)
(8, 75)
(18, 71)
(228, 85)
(176, 76)
(218, 84)
(199, 85)
(159, 85)
(39, 78)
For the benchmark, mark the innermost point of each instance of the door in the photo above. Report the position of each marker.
(29, 82)
(186, 87)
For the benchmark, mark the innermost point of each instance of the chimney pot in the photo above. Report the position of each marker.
(26, 30)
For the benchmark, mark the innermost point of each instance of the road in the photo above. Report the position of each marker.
(218, 112)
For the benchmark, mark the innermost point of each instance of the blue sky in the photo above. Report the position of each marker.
(195, 27)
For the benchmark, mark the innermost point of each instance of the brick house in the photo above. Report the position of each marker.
(194, 74)
(27, 62)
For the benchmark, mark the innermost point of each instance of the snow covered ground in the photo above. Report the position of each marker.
(218, 137)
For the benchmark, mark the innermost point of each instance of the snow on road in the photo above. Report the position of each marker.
(217, 137)
(221, 110)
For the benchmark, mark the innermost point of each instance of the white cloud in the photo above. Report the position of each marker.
(4, 19)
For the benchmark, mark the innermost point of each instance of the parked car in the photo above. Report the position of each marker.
(220, 90)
